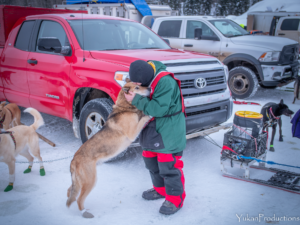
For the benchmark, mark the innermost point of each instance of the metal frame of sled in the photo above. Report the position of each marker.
(241, 165)
(227, 162)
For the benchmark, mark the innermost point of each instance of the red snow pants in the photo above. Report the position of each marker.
(167, 175)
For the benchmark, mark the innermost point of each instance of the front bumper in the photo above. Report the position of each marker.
(205, 119)
(206, 116)
(277, 74)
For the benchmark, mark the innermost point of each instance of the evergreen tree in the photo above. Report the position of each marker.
(222, 8)
(232, 7)
(191, 7)
(175, 5)
(206, 6)
(239, 7)
(255, 1)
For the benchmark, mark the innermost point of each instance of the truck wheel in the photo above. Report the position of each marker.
(93, 117)
(242, 82)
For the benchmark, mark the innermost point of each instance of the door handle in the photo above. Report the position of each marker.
(281, 34)
(188, 45)
(32, 61)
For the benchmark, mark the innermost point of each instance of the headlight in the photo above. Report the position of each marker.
(120, 77)
(226, 72)
(269, 57)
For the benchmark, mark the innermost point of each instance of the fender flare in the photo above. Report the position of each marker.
(248, 58)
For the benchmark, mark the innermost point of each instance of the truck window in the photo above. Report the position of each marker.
(52, 29)
(170, 28)
(23, 38)
(229, 28)
(102, 35)
(192, 25)
(290, 24)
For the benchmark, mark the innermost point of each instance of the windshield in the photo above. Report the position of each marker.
(229, 28)
(115, 35)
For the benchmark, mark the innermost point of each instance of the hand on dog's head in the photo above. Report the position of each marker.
(135, 88)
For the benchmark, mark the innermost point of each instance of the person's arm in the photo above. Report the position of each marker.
(161, 99)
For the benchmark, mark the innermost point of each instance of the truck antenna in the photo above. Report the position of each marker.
(82, 34)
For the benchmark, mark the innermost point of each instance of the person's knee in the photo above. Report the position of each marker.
(151, 164)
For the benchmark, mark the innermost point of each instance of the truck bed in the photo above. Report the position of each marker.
(10, 14)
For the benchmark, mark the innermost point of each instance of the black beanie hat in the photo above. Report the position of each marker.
(141, 72)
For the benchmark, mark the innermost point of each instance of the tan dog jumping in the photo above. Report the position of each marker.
(121, 128)
(10, 115)
(21, 140)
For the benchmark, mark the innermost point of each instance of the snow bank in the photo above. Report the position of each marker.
(275, 5)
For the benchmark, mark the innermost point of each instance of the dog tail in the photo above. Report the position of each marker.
(74, 189)
(38, 119)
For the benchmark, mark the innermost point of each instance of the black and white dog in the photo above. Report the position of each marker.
(272, 113)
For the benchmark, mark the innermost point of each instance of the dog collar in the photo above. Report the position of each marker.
(271, 111)
(129, 107)
(11, 135)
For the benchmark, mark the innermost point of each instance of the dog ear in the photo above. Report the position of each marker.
(281, 102)
(127, 80)
(126, 90)
(3, 104)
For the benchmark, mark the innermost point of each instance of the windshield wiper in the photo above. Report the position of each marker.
(110, 49)
(151, 48)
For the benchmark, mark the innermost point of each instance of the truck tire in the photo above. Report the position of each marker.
(93, 116)
(242, 82)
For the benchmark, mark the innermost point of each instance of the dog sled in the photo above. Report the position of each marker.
(244, 145)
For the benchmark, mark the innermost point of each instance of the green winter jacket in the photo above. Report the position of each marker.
(166, 100)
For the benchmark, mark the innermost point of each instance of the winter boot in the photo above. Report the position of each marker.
(151, 194)
(168, 208)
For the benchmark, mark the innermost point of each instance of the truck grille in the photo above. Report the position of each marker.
(290, 53)
(203, 111)
(191, 63)
(203, 93)
(209, 81)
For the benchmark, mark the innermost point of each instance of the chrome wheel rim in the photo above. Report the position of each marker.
(239, 84)
(94, 122)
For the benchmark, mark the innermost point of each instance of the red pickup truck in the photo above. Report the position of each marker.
(73, 66)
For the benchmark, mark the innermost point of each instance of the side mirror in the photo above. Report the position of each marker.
(198, 33)
(166, 40)
(52, 44)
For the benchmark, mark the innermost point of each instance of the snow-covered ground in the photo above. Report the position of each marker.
(116, 198)
(275, 5)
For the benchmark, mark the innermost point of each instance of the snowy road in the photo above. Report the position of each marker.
(116, 198)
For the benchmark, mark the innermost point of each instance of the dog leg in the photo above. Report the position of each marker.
(280, 130)
(35, 150)
(136, 130)
(85, 190)
(30, 159)
(272, 138)
(11, 167)
(294, 100)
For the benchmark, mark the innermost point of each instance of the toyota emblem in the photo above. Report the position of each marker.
(200, 82)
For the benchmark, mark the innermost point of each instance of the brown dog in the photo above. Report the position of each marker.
(121, 128)
(21, 140)
(10, 115)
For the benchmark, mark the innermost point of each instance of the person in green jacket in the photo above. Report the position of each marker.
(164, 138)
